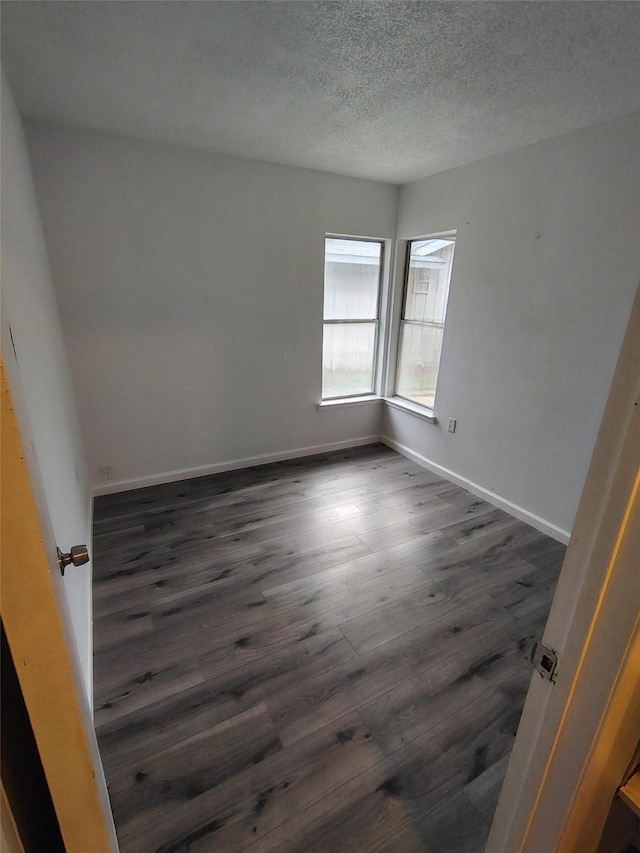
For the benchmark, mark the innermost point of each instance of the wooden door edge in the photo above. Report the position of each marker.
(38, 642)
(618, 730)
(603, 506)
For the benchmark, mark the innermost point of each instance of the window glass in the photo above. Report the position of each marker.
(351, 279)
(347, 357)
(418, 361)
(426, 290)
(352, 273)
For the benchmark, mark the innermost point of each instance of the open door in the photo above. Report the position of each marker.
(580, 731)
(34, 615)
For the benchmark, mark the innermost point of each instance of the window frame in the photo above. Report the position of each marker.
(402, 400)
(377, 321)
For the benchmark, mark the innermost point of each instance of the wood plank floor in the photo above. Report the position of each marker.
(326, 654)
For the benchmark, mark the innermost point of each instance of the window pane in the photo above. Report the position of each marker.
(428, 279)
(347, 359)
(418, 362)
(351, 279)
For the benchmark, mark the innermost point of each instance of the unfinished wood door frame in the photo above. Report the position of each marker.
(36, 622)
(577, 737)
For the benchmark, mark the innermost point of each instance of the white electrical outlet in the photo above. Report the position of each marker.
(452, 424)
(105, 474)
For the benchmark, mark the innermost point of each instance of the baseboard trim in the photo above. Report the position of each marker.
(232, 465)
(525, 515)
(421, 460)
(280, 456)
(516, 510)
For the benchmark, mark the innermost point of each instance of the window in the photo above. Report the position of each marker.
(352, 277)
(426, 290)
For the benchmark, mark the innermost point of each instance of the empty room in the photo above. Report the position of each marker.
(321, 362)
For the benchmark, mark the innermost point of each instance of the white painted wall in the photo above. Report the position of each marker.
(546, 266)
(39, 373)
(191, 290)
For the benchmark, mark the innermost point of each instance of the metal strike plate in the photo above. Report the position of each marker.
(544, 660)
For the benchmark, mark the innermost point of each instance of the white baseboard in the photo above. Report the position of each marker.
(264, 459)
(232, 465)
(517, 511)
(421, 460)
(523, 514)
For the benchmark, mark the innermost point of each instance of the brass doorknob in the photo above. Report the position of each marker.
(78, 555)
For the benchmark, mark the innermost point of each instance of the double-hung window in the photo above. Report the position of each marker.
(426, 290)
(352, 281)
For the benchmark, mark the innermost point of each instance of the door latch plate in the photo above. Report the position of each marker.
(545, 661)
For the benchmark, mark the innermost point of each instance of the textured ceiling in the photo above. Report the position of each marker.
(387, 90)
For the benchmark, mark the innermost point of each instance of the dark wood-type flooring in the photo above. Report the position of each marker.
(326, 654)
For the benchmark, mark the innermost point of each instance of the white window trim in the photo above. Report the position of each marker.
(395, 402)
(345, 402)
(395, 308)
(412, 408)
(392, 296)
(382, 340)
(392, 319)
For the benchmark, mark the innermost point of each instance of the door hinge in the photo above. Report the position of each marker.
(545, 661)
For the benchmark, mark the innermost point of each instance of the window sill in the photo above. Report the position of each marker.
(344, 402)
(412, 408)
